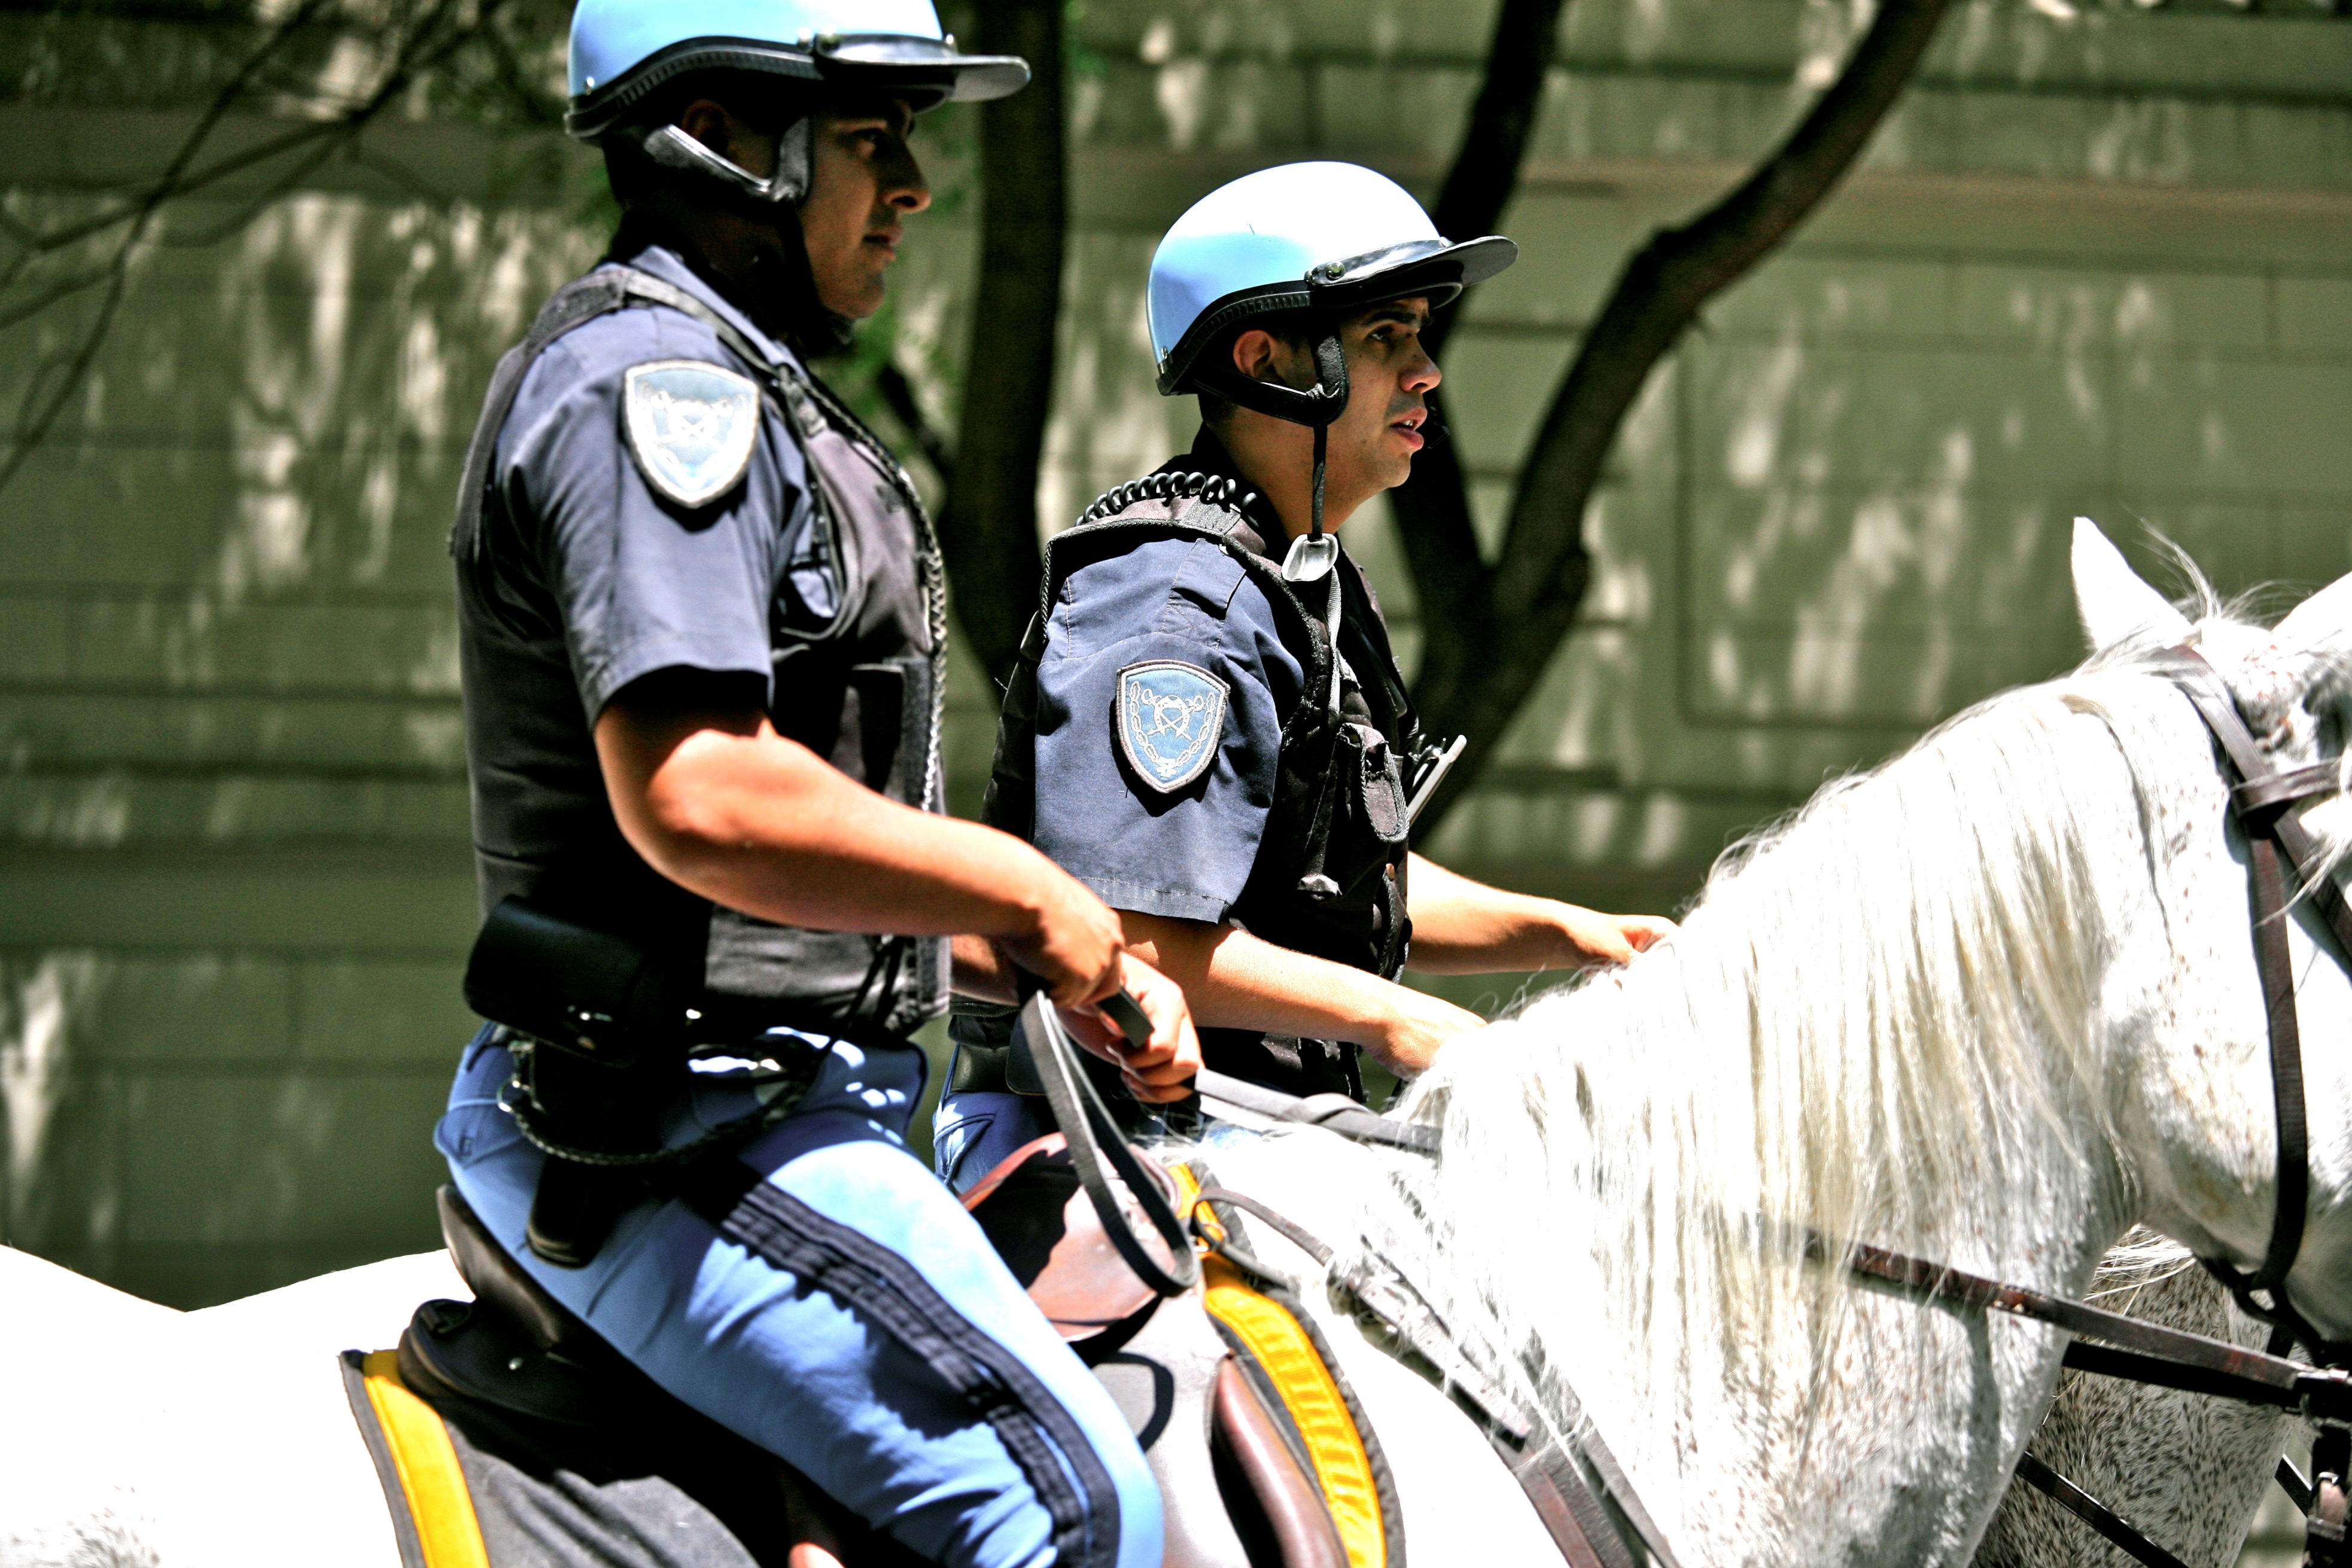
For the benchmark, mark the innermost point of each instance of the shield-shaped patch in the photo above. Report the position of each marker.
(691, 425)
(1170, 717)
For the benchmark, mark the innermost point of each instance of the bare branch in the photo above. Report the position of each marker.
(420, 49)
(899, 394)
(1493, 663)
(55, 293)
(1495, 140)
(1662, 289)
(33, 427)
(140, 209)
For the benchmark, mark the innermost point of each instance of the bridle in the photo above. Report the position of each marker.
(2267, 805)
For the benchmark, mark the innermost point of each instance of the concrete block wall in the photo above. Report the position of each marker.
(234, 880)
(2091, 267)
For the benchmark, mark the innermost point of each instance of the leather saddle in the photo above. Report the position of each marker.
(1237, 1491)
(557, 1425)
(521, 1374)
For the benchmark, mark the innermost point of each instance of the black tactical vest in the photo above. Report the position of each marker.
(1329, 877)
(862, 690)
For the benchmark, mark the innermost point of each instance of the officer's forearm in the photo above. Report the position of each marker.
(725, 807)
(1235, 980)
(981, 969)
(1466, 927)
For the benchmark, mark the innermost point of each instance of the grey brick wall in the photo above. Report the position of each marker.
(2098, 265)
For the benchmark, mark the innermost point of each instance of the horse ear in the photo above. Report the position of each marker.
(2321, 623)
(2115, 605)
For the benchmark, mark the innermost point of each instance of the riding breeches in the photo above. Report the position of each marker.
(849, 1317)
(976, 1130)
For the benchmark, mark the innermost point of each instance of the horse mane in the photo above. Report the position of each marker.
(1879, 1013)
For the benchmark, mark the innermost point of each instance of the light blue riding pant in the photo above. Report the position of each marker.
(977, 1130)
(848, 1317)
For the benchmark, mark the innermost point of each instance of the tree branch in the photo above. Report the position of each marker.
(1494, 141)
(1540, 579)
(988, 529)
(898, 392)
(421, 47)
(140, 209)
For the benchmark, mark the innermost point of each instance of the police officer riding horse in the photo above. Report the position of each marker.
(1207, 726)
(702, 623)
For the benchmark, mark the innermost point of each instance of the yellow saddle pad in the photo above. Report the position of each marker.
(432, 1507)
(1285, 1356)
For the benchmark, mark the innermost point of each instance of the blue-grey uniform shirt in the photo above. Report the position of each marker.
(601, 581)
(1183, 853)
(1184, 849)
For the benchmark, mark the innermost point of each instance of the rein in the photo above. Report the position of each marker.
(2267, 806)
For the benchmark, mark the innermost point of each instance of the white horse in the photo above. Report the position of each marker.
(1991, 1004)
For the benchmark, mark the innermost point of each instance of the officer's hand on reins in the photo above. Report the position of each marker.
(1076, 952)
(1160, 1067)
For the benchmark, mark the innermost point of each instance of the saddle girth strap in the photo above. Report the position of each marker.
(2122, 1533)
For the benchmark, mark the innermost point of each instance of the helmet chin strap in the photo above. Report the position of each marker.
(774, 201)
(1322, 449)
(1317, 408)
(1314, 556)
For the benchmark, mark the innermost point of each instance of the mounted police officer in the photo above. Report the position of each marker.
(701, 622)
(1206, 725)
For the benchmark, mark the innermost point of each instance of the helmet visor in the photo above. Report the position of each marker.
(1436, 267)
(927, 72)
(884, 60)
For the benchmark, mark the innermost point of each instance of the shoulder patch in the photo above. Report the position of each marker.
(692, 427)
(1170, 716)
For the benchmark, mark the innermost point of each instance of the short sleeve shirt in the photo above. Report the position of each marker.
(1183, 853)
(589, 578)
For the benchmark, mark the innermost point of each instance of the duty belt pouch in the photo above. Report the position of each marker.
(1377, 804)
(602, 1028)
(1359, 820)
(602, 998)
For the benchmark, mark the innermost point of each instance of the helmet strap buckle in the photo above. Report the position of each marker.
(1311, 558)
(1316, 407)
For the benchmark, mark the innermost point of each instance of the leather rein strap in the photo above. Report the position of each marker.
(2266, 804)
(1095, 1141)
(1336, 1112)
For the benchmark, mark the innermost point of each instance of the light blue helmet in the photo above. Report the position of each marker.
(623, 49)
(1303, 236)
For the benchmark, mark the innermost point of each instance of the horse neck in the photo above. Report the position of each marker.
(1919, 1068)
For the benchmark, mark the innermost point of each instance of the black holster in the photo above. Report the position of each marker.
(600, 1035)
